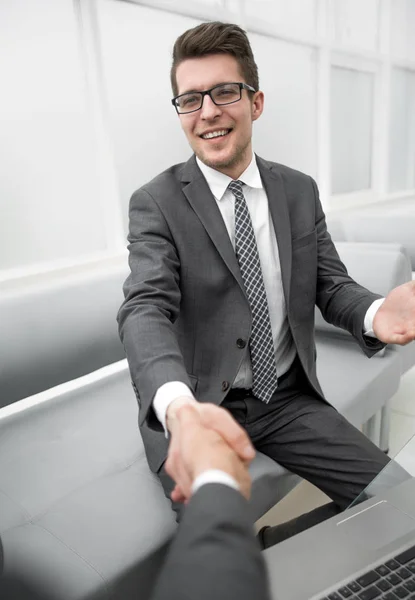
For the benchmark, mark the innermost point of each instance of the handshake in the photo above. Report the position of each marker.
(205, 437)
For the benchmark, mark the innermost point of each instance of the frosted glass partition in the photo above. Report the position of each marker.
(352, 95)
(355, 23)
(287, 130)
(49, 201)
(136, 45)
(402, 29)
(402, 131)
(296, 16)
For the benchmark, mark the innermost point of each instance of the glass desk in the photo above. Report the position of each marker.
(399, 469)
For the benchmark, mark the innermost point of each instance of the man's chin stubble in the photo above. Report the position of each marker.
(221, 164)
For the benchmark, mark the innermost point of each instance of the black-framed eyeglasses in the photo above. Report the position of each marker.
(224, 93)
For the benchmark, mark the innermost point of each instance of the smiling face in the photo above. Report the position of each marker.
(220, 136)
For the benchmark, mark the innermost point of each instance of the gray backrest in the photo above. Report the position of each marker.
(57, 327)
(378, 267)
(384, 227)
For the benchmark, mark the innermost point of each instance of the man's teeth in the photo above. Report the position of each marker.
(214, 134)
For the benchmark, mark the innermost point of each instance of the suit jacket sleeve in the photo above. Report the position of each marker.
(151, 306)
(342, 301)
(215, 553)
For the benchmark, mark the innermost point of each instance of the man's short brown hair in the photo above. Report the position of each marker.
(215, 38)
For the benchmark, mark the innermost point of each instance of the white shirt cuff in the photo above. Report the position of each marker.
(165, 396)
(214, 476)
(370, 315)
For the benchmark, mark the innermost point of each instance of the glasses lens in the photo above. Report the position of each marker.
(226, 93)
(189, 102)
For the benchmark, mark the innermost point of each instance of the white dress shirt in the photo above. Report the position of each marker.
(214, 476)
(266, 240)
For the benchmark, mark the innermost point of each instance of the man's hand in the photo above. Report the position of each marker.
(196, 448)
(394, 322)
(218, 419)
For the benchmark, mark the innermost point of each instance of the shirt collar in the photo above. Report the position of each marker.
(218, 182)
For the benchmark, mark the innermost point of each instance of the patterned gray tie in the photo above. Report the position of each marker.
(264, 368)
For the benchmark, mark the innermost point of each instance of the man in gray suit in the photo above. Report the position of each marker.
(214, 553)
(229, 254)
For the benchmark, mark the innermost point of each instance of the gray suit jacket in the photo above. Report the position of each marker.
(185, 306)
(215, 554)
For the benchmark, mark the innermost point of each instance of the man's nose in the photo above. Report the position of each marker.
(209, 109)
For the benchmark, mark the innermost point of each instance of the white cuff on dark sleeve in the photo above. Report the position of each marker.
(370, 315)
(214, 476)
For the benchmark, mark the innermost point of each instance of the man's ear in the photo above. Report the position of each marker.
(257, 105)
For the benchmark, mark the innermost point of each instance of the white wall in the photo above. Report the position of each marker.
(86, 116)
(143, 124)
(287, 130)
(50, 208)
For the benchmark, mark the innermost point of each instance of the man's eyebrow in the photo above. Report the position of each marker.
(210, 88)
(191, 92)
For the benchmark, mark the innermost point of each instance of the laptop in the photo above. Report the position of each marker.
(365, 553)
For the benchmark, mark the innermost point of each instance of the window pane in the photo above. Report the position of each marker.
(355, 23)
(403, 28)
(402, 131)
(290, 16)
(351, 130)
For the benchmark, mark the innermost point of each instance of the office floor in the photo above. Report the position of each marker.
(305, 496)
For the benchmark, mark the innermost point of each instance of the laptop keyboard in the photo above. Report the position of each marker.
(391, 580)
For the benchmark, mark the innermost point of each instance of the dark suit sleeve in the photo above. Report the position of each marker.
(215, 554)
(152, 304)
(342, 301)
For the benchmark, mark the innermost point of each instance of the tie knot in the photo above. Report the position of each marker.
(236, 188)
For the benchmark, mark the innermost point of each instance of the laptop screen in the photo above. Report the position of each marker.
(399, 469)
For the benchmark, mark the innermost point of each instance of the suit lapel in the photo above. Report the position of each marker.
(203, 203)
(278, 205)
